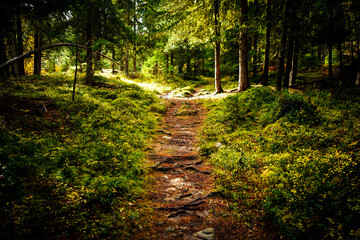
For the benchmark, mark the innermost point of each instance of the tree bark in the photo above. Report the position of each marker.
(282, 50)
(218, 88)
(330, 39)
(255, 40)
(167, 63)
(295, 62)
(289, 61)
(37, 55)
(134, 46)
(89, 51)
(243, 51)
(265, 79)
(4, 73)
(20, 46)
(172, 63)
(113, 56)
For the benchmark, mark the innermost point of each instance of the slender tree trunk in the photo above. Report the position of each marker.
(172, 63)
(188, 65)
(319, 54)
(282, 50)
(4, 73)
(20, 46)
(341, 60)
(127, 44)
(255, 40)
(167, 63)
(330, 40)
(113, 57)
(294, 69)
(218, 88)
(243, 51)
(289, 61)
(134, 46)
(37, 70)
(203, 66)
(265, 79)
(89, 51)
(357, 82)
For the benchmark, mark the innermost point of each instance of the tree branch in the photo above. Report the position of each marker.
(18, 58)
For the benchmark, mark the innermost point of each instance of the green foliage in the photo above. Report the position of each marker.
(293, 155)
(70, 168)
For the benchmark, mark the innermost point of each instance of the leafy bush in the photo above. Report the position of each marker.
(292, 155)
(69, 168)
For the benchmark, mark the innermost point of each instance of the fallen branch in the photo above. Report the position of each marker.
(28, 54)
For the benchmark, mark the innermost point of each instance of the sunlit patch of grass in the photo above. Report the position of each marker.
(71, 167)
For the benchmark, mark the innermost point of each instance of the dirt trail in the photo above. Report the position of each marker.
(183, 195)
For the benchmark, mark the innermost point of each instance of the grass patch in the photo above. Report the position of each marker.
(72, 169)
(292, 158)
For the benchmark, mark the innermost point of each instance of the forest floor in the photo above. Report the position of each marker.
(183, 196)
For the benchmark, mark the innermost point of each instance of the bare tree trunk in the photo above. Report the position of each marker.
(167, 63)
(188, 65)
(243, 51)
(113, 56)
(89, 51)
(341, 61)
(172, 63)
(289, 61)
(357, 82)
(203, 66)
(134, 46)
(20, 46)
(330, 40)
(37, 58)
(265, 79)
(282, 51)
(295, 62)
(255, 40)
(4, 73)
(218, 88)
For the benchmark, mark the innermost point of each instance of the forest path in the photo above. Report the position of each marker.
(182, 195)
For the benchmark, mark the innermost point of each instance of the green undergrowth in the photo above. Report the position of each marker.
(73, 169)
(292, 158)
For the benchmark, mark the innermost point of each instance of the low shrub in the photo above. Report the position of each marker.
(292, 156)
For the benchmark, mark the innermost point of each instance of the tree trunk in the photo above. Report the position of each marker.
(243, 51)
(37, 59)
(330, 39)
(319, 53)
(218, 88)
(265, 79)
(134, 46)
(357, 82)
(4, 73)
(172, 63)
(20, 46)
(167, 63)
(289, 61)
(203, 66)
(188, 65)
(113, 56)
(13, 53)
(89, 51)
(282, 50)
(255, 40)
(295, 62)
(341, 61)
